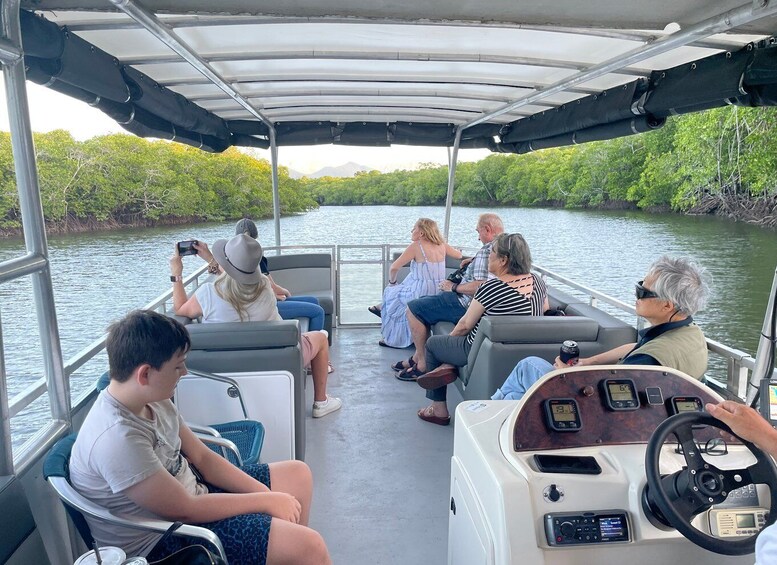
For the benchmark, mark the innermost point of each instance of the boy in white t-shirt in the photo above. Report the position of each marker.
(134, 455)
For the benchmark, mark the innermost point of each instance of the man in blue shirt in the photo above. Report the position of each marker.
(451, 304)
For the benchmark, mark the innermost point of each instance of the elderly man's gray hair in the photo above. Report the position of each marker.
(681, 281)
(491, 220)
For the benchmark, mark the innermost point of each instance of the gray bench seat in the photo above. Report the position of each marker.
(502, 341)
(241, 347)
(308, 274)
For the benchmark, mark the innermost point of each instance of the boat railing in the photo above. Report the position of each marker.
(371, 264)
(593, 295)
(738, 364)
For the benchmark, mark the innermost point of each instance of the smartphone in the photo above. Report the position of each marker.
(187, 247)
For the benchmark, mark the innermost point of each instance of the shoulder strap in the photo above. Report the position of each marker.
(422, 250)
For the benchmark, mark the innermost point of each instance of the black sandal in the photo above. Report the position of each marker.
(410, 374)
(400, 365)
(374, 310)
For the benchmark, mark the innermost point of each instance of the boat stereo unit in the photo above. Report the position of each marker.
(586, 528)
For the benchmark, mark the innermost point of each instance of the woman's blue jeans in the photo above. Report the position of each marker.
(303, 307)
(527, 372)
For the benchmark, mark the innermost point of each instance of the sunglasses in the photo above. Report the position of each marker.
(643, 292)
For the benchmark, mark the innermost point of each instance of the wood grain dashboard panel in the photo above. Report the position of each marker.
(600, 424)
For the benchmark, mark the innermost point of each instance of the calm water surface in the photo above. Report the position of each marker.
(99, 276)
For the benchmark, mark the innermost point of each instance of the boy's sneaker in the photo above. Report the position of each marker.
(322, 408)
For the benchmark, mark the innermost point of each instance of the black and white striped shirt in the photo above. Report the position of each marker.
(500, 299)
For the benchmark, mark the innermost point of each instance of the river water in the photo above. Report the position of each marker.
(100, 276)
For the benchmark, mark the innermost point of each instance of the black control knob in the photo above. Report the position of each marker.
(567, 529)
(554, 494)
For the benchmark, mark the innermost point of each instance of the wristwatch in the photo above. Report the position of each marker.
(176, 278)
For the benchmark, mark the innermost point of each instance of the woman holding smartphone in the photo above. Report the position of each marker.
(241, 293)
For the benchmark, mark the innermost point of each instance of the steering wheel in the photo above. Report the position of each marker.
(692, 490)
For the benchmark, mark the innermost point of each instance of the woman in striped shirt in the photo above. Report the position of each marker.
(514, 291)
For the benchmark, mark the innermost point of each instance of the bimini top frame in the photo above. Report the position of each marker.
(510, 77)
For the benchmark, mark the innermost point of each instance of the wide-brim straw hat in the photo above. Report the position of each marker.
(239, 257)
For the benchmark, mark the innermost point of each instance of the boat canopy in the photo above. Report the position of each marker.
(504, 75)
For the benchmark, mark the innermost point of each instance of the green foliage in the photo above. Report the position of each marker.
(723, 153)
(126, 179)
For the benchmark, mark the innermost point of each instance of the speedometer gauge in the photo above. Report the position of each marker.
(562, 414)
(619, 394)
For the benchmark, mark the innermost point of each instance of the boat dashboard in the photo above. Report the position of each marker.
(561, 476)
(603, 407)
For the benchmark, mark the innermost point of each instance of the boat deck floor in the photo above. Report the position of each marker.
(382, 475)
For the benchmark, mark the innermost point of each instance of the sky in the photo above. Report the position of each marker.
(50, 110)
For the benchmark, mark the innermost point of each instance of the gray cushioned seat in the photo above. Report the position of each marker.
(307, 274)
(502, 341)
(240, 347)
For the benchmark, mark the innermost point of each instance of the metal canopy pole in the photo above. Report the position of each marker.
(6, 451)
(276, 197)
(163, 33)
(765, 347)
(166, 35)
(32, 217)
(452, 160)
(716, 24)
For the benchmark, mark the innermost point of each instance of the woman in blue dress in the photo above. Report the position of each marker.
(426, 255)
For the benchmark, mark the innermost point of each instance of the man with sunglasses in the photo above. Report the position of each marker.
(673, 290)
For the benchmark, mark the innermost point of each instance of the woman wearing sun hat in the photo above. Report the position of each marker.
(241, 293)
(289, 306)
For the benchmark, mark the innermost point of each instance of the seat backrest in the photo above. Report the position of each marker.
(560, 299)
(103, 381)
(502, 341)
(240, 347)
(612, 331)
(57, 464)
(248, 347)
(303, 273)
(451, 265)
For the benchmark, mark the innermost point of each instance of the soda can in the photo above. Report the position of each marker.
(569, 352)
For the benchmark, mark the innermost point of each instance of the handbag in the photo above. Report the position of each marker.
(456, 276)
(191, 555)
(557, 311)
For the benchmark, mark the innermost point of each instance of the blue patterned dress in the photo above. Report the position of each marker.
(424, 279)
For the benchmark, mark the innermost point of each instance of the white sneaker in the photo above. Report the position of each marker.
(326, 333)
(331, 404)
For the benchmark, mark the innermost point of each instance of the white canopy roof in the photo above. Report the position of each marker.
(436, 61)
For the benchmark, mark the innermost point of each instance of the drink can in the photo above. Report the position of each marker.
(569, 351)
(109, 555)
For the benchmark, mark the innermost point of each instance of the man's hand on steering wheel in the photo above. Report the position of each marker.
(746, 423)
(678, 498)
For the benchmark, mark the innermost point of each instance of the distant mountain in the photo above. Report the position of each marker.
(295, 174)
(347, 170)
